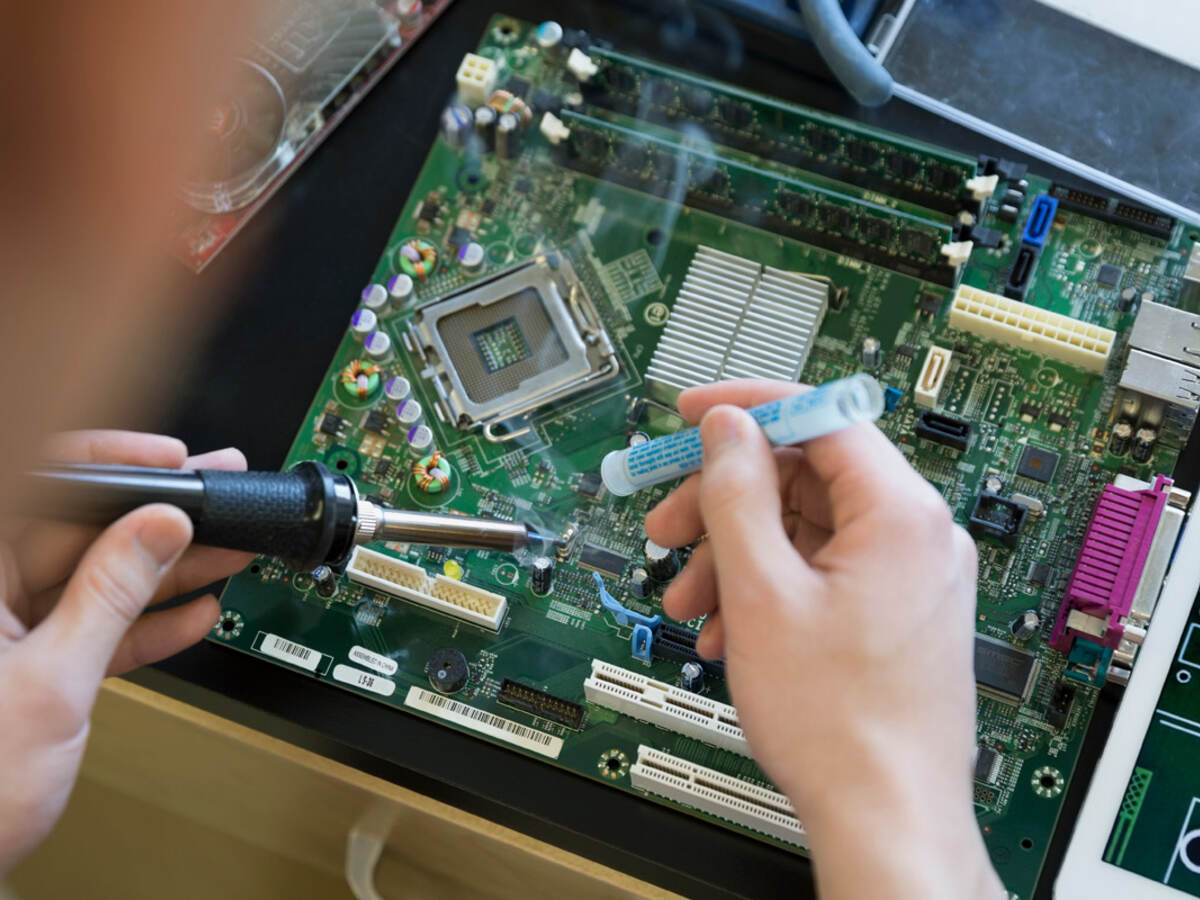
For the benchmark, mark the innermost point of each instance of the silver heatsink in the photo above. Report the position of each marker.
(734, 318)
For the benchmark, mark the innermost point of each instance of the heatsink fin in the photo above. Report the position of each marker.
(734, 318)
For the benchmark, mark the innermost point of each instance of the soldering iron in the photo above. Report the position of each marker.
(307, 516)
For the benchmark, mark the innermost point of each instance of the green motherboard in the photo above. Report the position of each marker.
(590, 234)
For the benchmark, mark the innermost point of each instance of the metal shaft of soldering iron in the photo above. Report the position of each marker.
(307, 516)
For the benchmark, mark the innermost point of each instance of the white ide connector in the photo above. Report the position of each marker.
(749, 805)
(445, 595)
(666, 706)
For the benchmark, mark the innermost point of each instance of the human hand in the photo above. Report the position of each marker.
(842, 596)
(71, 600)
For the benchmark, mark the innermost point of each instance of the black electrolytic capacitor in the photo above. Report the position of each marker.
(691, 676)
(324, 581)
(639, 583)
(508, 138)
(661, 562)
(541, 576)
(1143, 444)
(485, 125)
(1122, 436)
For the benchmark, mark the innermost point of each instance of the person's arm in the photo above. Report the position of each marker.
(71, 603)
(842, 596)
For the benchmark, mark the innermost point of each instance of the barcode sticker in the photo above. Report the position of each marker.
(290, 652)
(484, 722)
(365, 657)
(365, 680)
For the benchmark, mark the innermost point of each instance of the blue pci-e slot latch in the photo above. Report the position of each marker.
(1037, 226)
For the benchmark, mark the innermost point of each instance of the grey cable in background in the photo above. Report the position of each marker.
(860, 73)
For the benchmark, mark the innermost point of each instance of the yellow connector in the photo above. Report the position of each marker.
(1039, 330)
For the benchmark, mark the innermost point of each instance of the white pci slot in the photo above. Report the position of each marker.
(445, 595)
(666, 706)
(749, 805)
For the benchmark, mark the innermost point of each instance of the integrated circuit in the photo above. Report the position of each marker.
(601, 559)
(331, 424)
(1037, 464)
(987, 765)
(1004, 671)
(1109, 275)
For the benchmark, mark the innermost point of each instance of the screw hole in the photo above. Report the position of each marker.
(1026, 843)
(654, 237)
(341, 464)
(255, 569)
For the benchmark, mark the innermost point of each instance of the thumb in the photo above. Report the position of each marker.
(739, 501)
(112, 584)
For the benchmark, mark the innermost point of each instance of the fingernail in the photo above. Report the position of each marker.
(162, 544)
(720, 428)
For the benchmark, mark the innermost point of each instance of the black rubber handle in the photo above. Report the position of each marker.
(306, 516)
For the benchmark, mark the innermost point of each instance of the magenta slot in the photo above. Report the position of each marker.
(1114, 552)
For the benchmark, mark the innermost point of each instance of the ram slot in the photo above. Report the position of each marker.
(780, 203)
(801, 138)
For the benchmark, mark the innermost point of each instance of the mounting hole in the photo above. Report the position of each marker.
(341, 464)
(613, 763)
(1189, 850)
(655, 236)
(255, 569)
(1026, 843)
(228, 624)
(1183, 676)
(1194, 236)
(1048, 781)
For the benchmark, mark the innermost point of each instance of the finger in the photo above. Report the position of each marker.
(744, 392)
(115, 580)
(858, 466)
(739, 499)
(49, 551)
(229, 459)
(693, 593)
(197, 567)
(158, 635)
(676, 521)
(711, 642)
(129, 448)
(807, 537)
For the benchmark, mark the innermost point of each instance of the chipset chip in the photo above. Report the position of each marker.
(1109, 275)
(1002, 670)
(601, 559)
(1037, 464)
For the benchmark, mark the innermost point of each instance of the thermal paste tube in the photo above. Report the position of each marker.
(791, 420)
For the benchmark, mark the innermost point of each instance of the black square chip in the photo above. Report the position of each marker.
(331, 424)
(376, 421)
(1037, 464)
(1109, 275)
(1039, 573)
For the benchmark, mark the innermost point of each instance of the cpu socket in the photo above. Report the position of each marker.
(503, 347)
